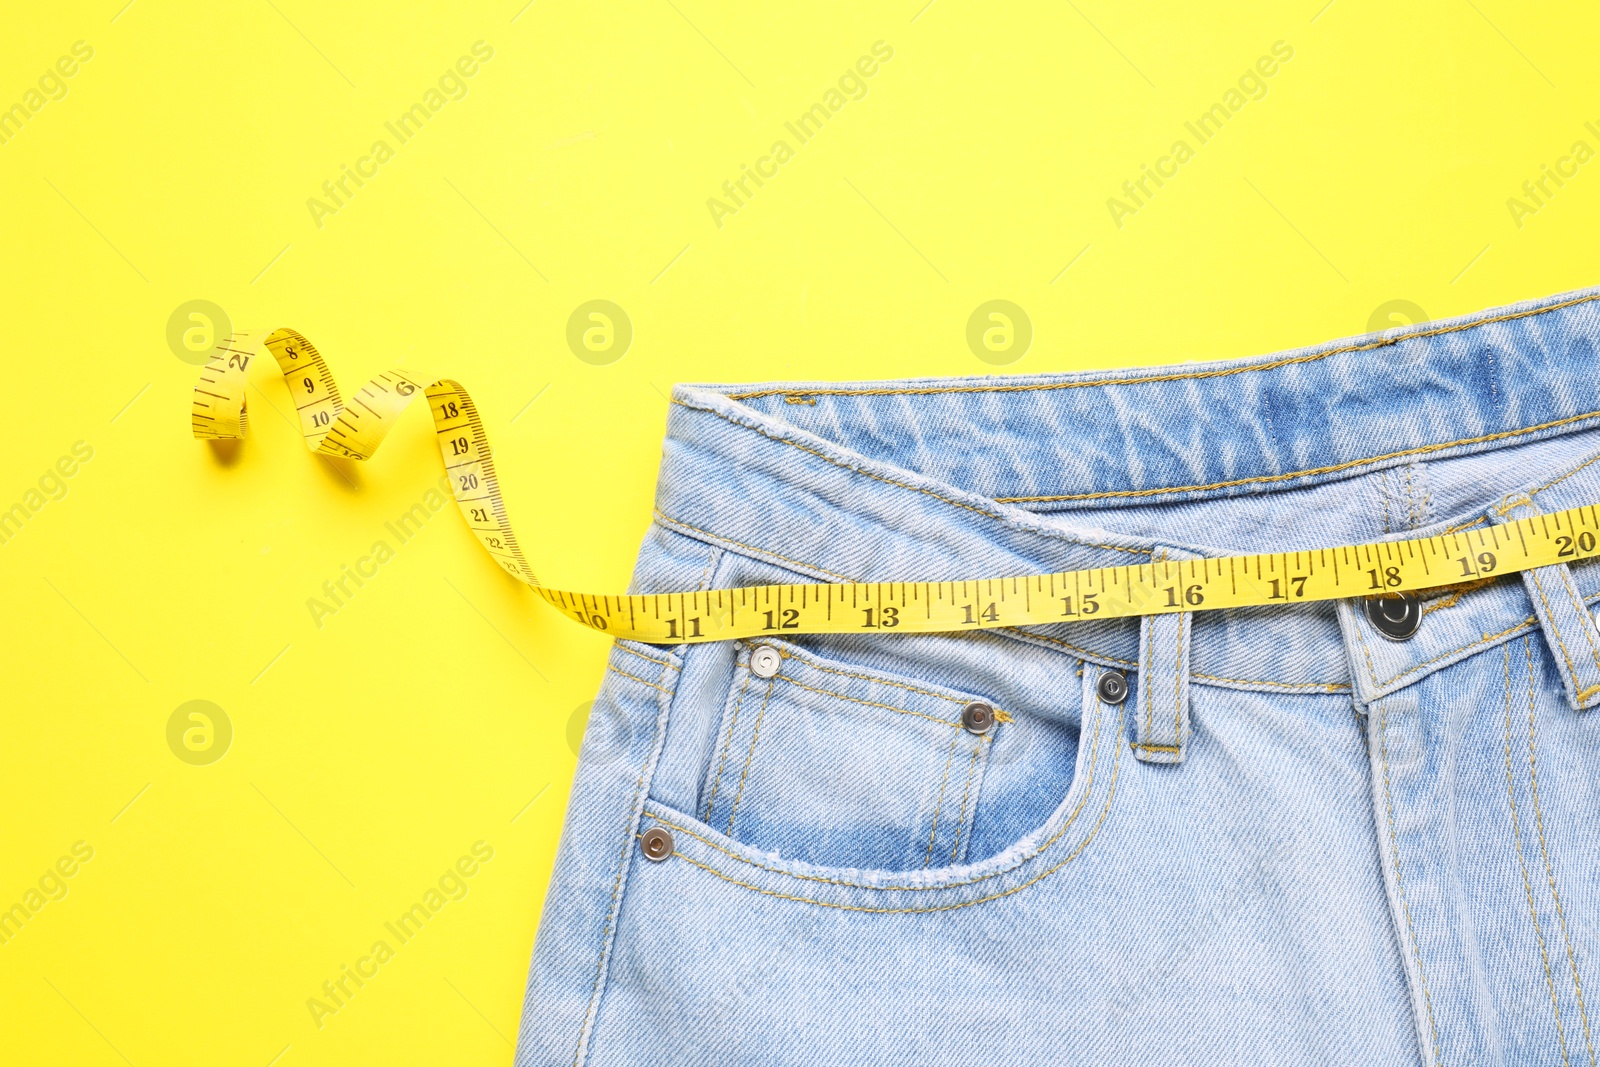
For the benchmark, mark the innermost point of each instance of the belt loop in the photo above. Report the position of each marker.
(1569, 629)
(1162, 713)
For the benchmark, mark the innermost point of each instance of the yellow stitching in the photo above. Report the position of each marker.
(885, 681)
(868, 703)
(1030, 635)
(800, 398)
(1555, 631)
(727, 740)
(1512, 503)
(1586, 626)
(1218, 372)
(755, 736)
(1455, 593)
(1095, 830)
(1332, 687)
(903, 485)
(939, 803)
(1544, 851)
(1527, 883)
(659, 662)
(641, 681)
(1405, 905)
(1528, 497)
(664, 517)
(1444, 602)
(1157, 748)
(961, 824)
(1485, 639)
(1421, 450)
(1467, 525)
(1088, 788)
(605, 937)
(1372, 672)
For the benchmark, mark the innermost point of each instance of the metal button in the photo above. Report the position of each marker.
(656, 844)
(977, 718)
(1396, 616)
(1112, 687)
(765, 661)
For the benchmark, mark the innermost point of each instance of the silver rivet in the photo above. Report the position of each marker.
(1395, 616)
(1112, 687)
(765, 661)
(656, 844)
(977, 717)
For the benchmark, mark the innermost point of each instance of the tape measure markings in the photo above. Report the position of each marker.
(355, 431)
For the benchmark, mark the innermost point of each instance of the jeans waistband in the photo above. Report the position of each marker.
(1401, 434)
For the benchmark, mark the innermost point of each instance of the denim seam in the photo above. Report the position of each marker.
(1405, 905)
(1308, 472)
(869, 703)
(1578, 695)
(1484, 640)
(1522, 862)
(1586, 625)
(669, 521)
(999, 715)
(1331, 687)
(1310, 357)
(669, 665)
(939, 801)
(1457, 591)
(1527, 498)
(641, 681)
(750, 756)
(727, 740)
(1544, 852)
(1058, 535)
(961, 822)
(635, 811)
(1088, 790)
(1089, 653)
(1093, 832)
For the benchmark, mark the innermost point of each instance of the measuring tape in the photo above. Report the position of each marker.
(354, 431)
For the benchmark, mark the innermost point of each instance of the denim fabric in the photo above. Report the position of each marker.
(1297, 841)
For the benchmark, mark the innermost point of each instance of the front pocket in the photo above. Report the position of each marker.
(832, 764)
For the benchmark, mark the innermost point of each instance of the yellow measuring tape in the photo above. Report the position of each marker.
(354, 430)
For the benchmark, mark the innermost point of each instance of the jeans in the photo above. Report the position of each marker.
(1287, 839)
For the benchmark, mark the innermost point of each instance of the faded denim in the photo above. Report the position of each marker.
(1296, 842)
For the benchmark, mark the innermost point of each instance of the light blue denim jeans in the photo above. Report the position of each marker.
(1295, 841)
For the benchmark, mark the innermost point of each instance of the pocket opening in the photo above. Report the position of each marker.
(826, 762)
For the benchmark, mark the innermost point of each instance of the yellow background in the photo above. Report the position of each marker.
(433, 710)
